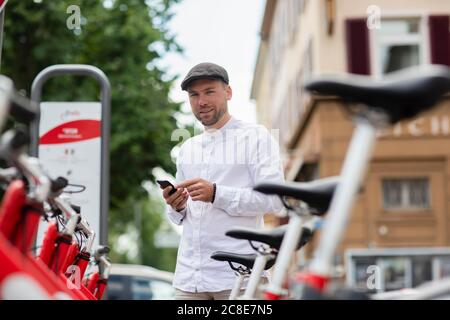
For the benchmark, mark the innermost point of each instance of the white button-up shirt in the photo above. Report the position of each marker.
(235, 157)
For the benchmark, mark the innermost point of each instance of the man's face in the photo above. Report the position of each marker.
(209, 100)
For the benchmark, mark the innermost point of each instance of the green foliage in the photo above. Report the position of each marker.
(148, 213)
(125, 39)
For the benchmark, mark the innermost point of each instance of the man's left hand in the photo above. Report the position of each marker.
(199, 189)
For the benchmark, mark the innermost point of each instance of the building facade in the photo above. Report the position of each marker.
(405, 201)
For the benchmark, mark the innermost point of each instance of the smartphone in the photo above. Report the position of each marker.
(164, 184)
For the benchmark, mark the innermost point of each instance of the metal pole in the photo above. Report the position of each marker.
(237, 286)
(2, 20)
(290, 240)
(97, 74)
(352, 174)
(255, 277)
(138, 222)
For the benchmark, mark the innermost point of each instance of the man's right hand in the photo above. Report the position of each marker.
(177, 200)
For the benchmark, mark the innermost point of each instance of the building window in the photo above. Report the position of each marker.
(395, 273)
(421, 270)
(396, 268)
(362, 273)
(399, 43)
(308, 172)
(442, 267)
(284, 28)
(412, 193)
(303, 75)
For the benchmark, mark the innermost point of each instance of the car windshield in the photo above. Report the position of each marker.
(124, 287)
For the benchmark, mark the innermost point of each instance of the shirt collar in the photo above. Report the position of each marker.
(231, 123)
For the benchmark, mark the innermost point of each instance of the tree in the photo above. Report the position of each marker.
(143, 248)
(125, 39)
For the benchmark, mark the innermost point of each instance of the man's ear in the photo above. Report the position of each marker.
(229, 93)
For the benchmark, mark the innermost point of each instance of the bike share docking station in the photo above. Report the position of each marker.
(71, 140)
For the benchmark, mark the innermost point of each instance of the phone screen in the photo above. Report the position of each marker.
(164, 184)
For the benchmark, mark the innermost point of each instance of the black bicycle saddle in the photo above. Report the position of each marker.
(316, 194)
(272, 237)
(247, 260)
(401, 95)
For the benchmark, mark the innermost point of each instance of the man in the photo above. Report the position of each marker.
(216, 171)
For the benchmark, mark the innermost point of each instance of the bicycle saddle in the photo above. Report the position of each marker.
(401, 95)
(247, 260)
(316, 194)
(272, 237)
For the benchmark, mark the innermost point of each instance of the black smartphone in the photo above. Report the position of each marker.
(164, 184)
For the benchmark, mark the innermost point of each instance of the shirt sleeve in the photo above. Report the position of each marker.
(265, 166)
(177, 216)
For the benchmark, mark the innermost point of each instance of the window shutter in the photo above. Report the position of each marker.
(358, 48)
(440, 39)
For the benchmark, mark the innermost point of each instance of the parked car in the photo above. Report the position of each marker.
(139, 282)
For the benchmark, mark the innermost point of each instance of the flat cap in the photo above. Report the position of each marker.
(205, 70)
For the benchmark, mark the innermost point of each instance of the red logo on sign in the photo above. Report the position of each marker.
(73, 131)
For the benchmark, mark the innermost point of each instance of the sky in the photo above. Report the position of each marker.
(225, 32)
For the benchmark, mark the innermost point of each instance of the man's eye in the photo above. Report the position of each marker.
(193, 95)
(209, 92)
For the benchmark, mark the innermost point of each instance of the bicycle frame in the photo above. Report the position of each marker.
(19, 220)
(46, 284)
(96, 284)
(301, 218)
(353, 171)
(241, 275)
(62, 256)
(264, 255)
(14, 214)
(48, 276)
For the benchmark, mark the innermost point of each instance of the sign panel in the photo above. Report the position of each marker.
(70, 147)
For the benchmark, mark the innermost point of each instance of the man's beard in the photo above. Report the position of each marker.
(216, 116)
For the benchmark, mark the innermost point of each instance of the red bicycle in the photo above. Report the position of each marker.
(58, 270)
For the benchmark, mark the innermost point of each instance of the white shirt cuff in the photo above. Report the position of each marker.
(224, 196)
(177, 216)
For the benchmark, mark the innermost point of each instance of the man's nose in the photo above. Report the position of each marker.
(202, 101)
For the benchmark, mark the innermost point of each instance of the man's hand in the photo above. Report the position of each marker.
(177, 200)
(199, 189)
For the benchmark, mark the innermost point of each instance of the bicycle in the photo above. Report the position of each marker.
(264, 258)
(244, 270)
(45, 276)
(314, 200)
(284, 240)
(373, 105)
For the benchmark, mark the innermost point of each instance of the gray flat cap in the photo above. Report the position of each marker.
(205, 70)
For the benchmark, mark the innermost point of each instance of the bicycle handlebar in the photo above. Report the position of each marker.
(104, 266)
(83, 225)
(6, 88)
(72, 217)
(22, 109)
(59, 184)
(8, 174)
(12, 144)
(39, 181)
(12, 148)
(101, 250)
(11, 102)
(77, 209)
